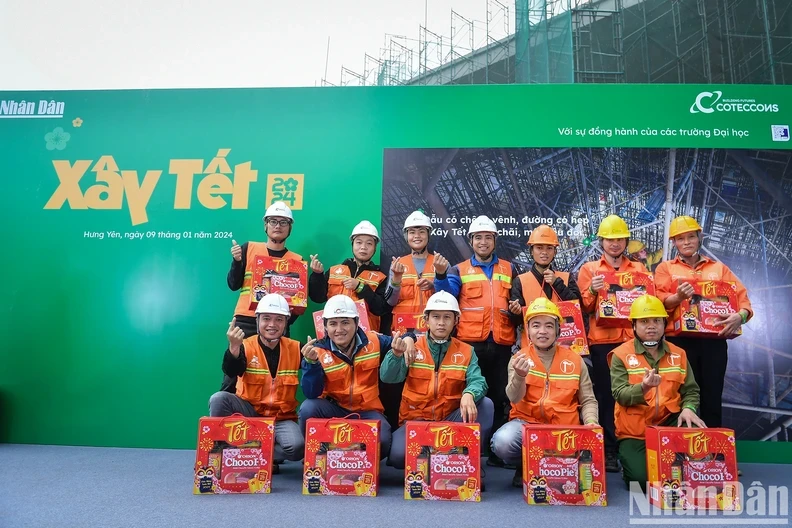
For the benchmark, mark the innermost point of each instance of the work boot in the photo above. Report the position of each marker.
(275, 468)
(611, 463)
(517, 478)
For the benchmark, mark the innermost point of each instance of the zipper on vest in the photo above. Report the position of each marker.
(434, 405)
(544, 397)
(492, 304)
(352, 385)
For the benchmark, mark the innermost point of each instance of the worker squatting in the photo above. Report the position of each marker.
(489, 353)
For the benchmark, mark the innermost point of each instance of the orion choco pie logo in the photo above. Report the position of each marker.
(711, 102)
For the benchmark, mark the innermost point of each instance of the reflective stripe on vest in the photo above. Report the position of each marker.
(271, 397)
(531, 289)
(355, 388)
(370, 278)
(433, 395)
(412, 300)
(485, 304)
(254, 249)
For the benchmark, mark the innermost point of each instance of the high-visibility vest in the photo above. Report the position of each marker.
(355, 387)
(271, 396)
(412, 300)
(254, 249)
(372, 279)
(485, 304)
(532, 289)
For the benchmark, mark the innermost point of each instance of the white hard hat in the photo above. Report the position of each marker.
(279, 209)
(364, 228)
(442, 300)
(273, 303)
(482, 224)
(340, 306)
(417, 219)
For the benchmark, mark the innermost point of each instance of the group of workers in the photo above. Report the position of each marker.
(489, 353)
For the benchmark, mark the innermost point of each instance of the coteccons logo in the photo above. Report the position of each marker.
(710, 102)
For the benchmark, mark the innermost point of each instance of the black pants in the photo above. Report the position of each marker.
(493, 360)
(600, 377)
(708, 358)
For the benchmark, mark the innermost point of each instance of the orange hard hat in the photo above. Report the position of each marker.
(543, 234)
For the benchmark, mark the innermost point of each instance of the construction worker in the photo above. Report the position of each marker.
(652, 385)
(340, 374)
(613, 235)
(708, 357)
(488, 319)
(636, 250)
(542, 280)
(442, 379)
(357, 277)
(266, 366)
(278, 222)
(548, 384)
(411, 280)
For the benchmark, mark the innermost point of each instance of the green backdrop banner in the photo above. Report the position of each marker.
(119, 209)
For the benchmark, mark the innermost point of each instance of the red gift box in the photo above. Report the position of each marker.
(564, 465)
(442, 461)
(696, 316)
(284, 276)
(234, 455)
(404, 323)
(692, 469)
(342, 457)
(616, 297)
(573, 333)
(363, 320)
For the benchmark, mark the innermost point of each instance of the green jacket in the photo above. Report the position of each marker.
(393, 369)
(628, 394)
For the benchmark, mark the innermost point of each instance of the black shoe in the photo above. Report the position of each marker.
(275, 468)
(517, 478)
(494, 461)
(611, 463)
(506, 465)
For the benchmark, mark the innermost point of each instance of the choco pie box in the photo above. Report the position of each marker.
(442, 461)
(234, 455)
(697, 316)
(564, 465)
(284, 276)
(616, 297)
(415, 323)
(692, 469)
(342, 457)
(363, 320)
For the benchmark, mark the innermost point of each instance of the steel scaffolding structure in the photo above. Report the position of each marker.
(741, 197)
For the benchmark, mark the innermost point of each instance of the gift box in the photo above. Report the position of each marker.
(616, 297)
(696, 317)
(404, 323)
(692, 469)
(564, 465)
(284, 276)
(342, 457)
(234, 455)
(442, 461)
(363, 320)
(573, 333)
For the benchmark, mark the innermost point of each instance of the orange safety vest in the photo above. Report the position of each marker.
(432, 394)
(485, 304)
(551, 397)
(335, 286)
(412, 300)
(669, 272)
(271, 397)
(254, 249)
(531, 289)
(599, 335)
(354, 388)
(662, 402)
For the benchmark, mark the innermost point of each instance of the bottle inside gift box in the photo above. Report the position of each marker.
(703, 476)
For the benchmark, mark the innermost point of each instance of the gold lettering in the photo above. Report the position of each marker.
(697, 443)
(444, 436)
(342, 433)
(185, 170)
(214, 184)
(243, 177)
(69, 188)
(138, 195)
(565, 440)
(237, 431)
(113, 192)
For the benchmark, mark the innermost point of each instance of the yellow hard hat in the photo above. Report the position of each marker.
(613, 227)
(646, 307)
(542, 306)
(635, 246)
(683, 224)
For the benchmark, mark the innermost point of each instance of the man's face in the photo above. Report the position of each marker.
(341, 331)
(363, 247)
(542, 331)
(417, 238)
(271, 326)
(441, 323)
(483, 244)
(687, 243)
(543, 254)
(614, 247)
(650, 329)
(278, 228)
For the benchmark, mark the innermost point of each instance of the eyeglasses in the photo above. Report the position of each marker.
(275, 223)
